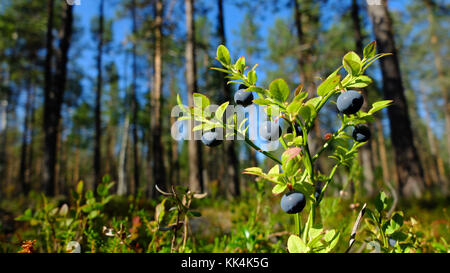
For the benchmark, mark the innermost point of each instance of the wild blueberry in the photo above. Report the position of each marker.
(293, 202)
(298, 129)
(269, 132)
(361, 133)
(243, 98)
(211, 139)
(392, 242)
(350, 102)
(317, 193)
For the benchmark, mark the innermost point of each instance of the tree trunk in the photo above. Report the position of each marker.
(158, 148)
(122, 184)
(98, 101)
(232, 161)
(409, 169)
(54, 94)
(442, 78)
(24, 167)
(174, 174)
(134, 187)
(194, 146)
(366, 155)
(50, 122)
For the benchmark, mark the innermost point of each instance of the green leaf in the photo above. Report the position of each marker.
(80, 187)
(360, 82)
(279, 90)
(195, 213)
(223, 55)
(260, 101)
(260, 91)
(352, 63)
(200, 101)
(291, 153)
(395, 223)
(279, 188)
(315, 231)
(296, 245)
(370, 50)
(221, 110)
(368, 62)
(252, 77)
(328, 85)
(300, 96)
(308, 113)
(240, 64)
(220, 69)
(253, 170)
(381, 202)
(377, 106)
(294, 107)
(93, 214)
(275, 170)
(332, 237)
(314, 101)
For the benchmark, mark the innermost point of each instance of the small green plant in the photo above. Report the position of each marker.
(387, 230)
(182, 199)
(295, 170)
(60, 225)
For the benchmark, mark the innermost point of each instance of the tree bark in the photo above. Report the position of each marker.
(158, 148)
(54, 94)
(442, 78)
(122, 185)
(50, 120)
(194, 146)
(232, 161)
(24, 167)
(98, 100)
(409, 169)
(134, 187)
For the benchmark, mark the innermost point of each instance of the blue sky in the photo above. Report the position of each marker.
(233, 17)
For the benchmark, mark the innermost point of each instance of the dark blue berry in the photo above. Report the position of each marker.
(361, 133)
(350, 102)
(293, 202)
(211, 139)
(241, 97)
(298, 130)
(317, 193)
(392, 242)
(269, 130)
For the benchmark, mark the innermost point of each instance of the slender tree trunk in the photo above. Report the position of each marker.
(76, 169)
(442, 78)
(50, 124)
(232, 162)
(409, 169)
(174, 173)
(134, 187)
(383, 155)
(23, 170)
(122, 184)
(58, 159)
(158, 149)
(434, 170)
(194, 146)
(98, 100)
(30, 171)
(366, 154)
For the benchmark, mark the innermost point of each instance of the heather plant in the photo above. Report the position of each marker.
(294, 175)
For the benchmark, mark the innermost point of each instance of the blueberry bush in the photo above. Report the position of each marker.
(295, 172)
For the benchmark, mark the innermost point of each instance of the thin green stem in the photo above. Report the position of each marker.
(254, 146)
(297, 224)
